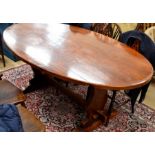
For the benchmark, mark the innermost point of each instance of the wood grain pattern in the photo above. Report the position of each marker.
(79, 55)
(9, 94)
(29, 121)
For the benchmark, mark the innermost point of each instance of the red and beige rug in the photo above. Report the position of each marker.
(59, 113)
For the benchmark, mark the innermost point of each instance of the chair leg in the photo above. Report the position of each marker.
(132, 105)
(88, 93)
(3, 59)
(133, 97)
(143, 92)
(110, 107)
(67, 84)
(1, 50)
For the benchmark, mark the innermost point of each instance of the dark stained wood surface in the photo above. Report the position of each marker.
(79, 55)
(9, 94)
(29, 121)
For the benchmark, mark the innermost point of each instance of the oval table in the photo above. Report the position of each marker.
(82, 56)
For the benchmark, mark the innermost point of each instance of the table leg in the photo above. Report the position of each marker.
(94, 104)
(96, 100)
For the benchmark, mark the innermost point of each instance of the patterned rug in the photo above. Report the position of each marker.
(19, 76)
(59, 113)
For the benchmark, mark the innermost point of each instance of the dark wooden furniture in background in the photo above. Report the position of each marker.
(9, 94)
(102, 28)
(1, 50)
(143, 26)
(109, 29)
(74, 54)
(116, 31)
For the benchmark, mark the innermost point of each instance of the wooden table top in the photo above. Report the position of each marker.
(79, 55)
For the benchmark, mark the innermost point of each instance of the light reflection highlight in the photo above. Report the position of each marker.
(11, 40)
(87, 75)
(56, 34)
(39, 54)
